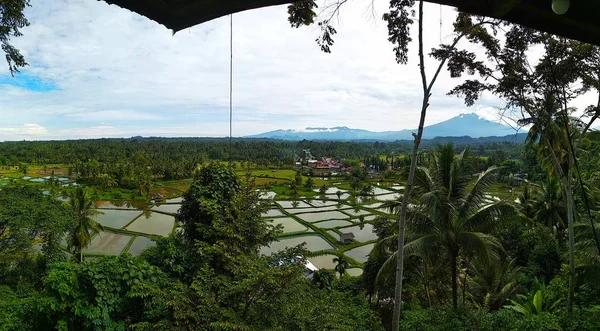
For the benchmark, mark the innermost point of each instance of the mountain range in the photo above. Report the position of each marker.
(464, 125)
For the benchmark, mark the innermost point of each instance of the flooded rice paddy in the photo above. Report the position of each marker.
(116, 218)
(154, 223)
(313, 243)
(360, 253)
(273, 213)
(289, 224)
(172, 209)
(322, 216)
(108, 243)
(139, 244)
(333, 224)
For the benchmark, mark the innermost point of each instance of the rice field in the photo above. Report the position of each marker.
(362, 232)
(322, 216)
(171, 209)
(333, 224)
(155, 223)
(313, 243)
(139, 244)
(107, 243)
(360, 253)
(289, 225)
(116, 218)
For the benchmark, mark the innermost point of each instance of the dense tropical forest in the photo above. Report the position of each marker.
(198, 234)
(483, 251)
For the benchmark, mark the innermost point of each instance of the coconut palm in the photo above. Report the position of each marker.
(323, 278)
(83, 209)
(550, 209)
(548, 131)
(451, 213)
(492, 287)
(341, 265)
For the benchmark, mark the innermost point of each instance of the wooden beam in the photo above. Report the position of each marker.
(502, 7)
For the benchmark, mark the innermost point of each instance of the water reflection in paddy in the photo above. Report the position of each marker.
(360, 253)
(116, 218)
(354, 272)
(379, 190)
(361, 233)
(332, 224)
(140, 244)
(121, 204)
(388, 197)
(289, 224)
(293, 204)
(356, 212)
(175, 200)
(167, 208)
(315, 209)
(331, 190)
(323, 261)
(273, 213)
(328, 215)
(313, 243)
(108, 243)
(155, 223)
(320, 203)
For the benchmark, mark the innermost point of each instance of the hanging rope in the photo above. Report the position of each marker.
(440, 24)
(230, 87)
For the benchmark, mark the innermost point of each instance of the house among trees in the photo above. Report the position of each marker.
(518, 179)
(157, 197)
(346, 238)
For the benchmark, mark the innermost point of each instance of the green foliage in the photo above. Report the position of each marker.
(341, 264)
(452, 215)
(27, 217)
(109, 293)
(505, 319)
(85, 226)
(13, 19)
(218, 208)
(534, 302)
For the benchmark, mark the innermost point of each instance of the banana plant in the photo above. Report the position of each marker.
(533, 303)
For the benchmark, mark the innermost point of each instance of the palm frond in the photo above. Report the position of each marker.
(484, 247)
(476, 196)
(489, 216)
(422, 245)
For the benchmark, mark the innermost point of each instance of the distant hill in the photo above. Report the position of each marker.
(464, 125)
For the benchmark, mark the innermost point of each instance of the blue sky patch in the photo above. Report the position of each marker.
(29, 82)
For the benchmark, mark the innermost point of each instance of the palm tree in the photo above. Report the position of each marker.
(323, 278)
(492, 287)
(83, 209)
(550, 207)
(341, 265)
(451, 213)
(548, 131)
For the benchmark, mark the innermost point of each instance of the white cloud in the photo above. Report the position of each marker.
(111, 65)
(27, 130)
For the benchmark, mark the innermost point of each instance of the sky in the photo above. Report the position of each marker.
(97, 70)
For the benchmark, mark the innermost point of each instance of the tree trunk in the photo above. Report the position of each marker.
(565, 180)
(409, 182)
(454, 284)
(570, 217)
(426, 283)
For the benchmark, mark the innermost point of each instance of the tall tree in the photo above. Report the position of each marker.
(341, 264)
(452, 214)
(85, 225)
(12, 20)
(540, 93)
(399, 34)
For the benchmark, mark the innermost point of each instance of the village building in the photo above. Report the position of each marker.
(346, 238)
